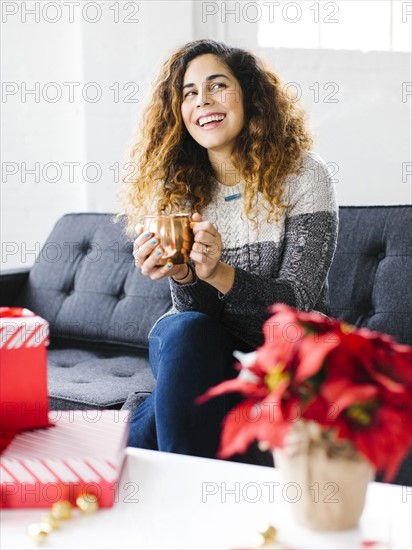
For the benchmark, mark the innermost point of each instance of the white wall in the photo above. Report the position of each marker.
(359, 103)
(360, 121)
(366, 133)
(101, 58)
(119, 56)
(36, 131)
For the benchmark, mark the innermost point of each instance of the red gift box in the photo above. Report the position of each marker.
(24, 337)
(82, 453)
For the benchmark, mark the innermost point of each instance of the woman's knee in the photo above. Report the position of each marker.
(189, 327)
(190, 345)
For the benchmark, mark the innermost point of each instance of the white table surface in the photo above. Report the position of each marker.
(172, 501)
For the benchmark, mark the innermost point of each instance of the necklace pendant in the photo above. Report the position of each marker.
(233, 197)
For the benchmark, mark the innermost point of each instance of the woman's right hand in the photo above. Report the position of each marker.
(146, 253)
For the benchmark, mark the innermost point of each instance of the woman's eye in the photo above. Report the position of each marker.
(216, 86)
(211, 89)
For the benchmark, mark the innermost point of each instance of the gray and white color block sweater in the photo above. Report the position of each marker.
(285, 261)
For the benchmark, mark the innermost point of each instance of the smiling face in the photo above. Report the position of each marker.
(212, 106)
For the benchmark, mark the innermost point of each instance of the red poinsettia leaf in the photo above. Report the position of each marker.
(248, 422)
(238, 432)
(318, 410)
(291, 410)
(385, 455)
(250, 389)
(394, 363)
(343, 364)
(319, 321)
(272, 436)
(313, 350)
(273, 406)
(271, 422)
(342, 428)
(385, 442)
(388, 383)
(274, 352)
(343, 393)
(255, 420)
(358, 346)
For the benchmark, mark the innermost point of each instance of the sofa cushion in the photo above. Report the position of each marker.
(85, 284)
(371, 274)
(96, 378)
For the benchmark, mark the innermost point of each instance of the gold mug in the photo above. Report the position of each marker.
(175, 236)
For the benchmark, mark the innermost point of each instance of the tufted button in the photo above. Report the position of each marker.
(70, 292)
(121, 296)
(370, 312)
(381, 255)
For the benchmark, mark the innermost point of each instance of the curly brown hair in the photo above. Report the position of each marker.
(173, 167)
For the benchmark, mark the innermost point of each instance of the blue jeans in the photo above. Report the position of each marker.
(189, 352)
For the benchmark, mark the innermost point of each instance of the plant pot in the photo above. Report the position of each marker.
(327, 478)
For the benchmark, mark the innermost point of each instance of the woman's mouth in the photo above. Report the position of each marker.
(210, 121)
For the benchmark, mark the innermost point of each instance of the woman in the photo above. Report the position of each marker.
(222, 140)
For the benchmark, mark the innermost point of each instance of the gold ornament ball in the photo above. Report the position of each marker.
(50, 520)
(62, 509)
(39, 531)
(267, 535)
(87, 503)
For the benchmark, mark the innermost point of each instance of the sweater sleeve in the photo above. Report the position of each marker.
(196, 296)
(310, 237)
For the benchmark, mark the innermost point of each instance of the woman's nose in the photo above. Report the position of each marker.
(203, 97)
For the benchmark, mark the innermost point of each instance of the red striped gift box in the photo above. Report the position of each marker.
(82, 453)
(24, 337)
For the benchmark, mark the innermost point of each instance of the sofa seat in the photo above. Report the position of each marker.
(96, 377)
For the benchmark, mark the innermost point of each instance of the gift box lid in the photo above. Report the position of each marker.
(20, 327)
(81, 446)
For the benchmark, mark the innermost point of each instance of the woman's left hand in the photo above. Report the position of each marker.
(207, 247)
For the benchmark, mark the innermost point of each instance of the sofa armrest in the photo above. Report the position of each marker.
(11, 283)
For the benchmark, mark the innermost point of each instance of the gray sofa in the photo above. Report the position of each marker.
(100, 308)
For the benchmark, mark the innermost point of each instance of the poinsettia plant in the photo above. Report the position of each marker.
(355, 383)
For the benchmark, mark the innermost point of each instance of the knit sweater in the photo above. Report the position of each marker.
(285, 261)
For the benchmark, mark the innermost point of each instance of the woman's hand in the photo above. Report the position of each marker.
(146, 252)
(207, 248)
(206, 253)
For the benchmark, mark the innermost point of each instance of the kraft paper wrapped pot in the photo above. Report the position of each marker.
(330, 478)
